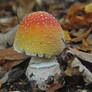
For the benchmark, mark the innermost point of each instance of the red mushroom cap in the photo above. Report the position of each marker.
(39, 34)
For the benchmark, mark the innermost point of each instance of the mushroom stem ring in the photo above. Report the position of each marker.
(42, 69)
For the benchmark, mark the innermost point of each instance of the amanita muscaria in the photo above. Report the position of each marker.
(40, 36)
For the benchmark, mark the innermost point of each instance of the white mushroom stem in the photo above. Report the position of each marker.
(41, 69)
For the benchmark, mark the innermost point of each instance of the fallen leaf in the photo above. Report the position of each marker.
(89, 39)
(10, 54)
(77, 33)
(74, 9)
(10, 58)
(85, 43)
(9, 65)
(78, 5)
(76, 22)
(82, 55)
(85, 72)
(0, 84)
(79, 22)
(81, 37)
(86, 49)
(54, 87)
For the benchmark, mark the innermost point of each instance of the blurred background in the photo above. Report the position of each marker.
(21, 8)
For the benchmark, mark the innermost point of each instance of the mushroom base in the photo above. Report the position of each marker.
(40, 69)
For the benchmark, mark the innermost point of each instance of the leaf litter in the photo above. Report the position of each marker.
(75, 61)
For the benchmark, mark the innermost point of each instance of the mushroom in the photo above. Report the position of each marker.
(40, 36)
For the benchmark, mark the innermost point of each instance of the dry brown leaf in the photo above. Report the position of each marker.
(9, 58)
(89, 39)
(74, 9)
(81, 37)
(9, 65)
(86, 48)
(77, 33)
(88, 15)
(85, 72)
(76, 6)
(10, 54)
(0, 84)
(89, 42)
(85, 43)
(76, 22)
(54, 87)
(79, 22)
(82, 55)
